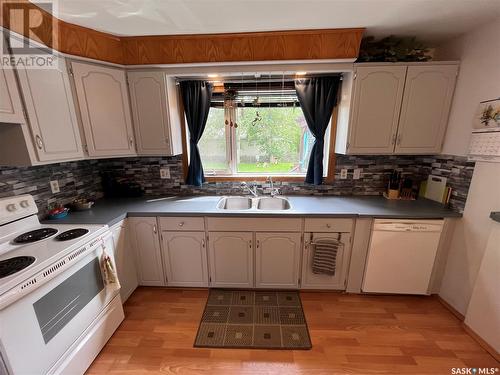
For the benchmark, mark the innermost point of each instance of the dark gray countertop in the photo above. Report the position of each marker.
(111, 211)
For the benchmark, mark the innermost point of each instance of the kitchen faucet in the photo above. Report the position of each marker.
(251, 189)
(274, 191)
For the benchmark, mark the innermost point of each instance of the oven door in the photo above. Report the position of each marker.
(37, 329)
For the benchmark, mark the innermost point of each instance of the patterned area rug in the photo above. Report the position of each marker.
(253, 319)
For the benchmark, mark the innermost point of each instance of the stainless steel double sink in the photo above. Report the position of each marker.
(258, 203)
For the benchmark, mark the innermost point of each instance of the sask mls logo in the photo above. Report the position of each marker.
(29, 34)
(474, 370)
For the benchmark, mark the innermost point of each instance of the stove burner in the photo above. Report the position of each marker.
(71, 234)
(13, 265)
(35, 235)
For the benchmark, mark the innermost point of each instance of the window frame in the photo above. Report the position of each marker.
(329, 177)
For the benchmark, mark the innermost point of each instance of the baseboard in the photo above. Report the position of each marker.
(450, 308)
(481, 342)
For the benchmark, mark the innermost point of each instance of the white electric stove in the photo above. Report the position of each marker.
(55, 306)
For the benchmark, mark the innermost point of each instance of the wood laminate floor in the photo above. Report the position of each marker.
(351, 334)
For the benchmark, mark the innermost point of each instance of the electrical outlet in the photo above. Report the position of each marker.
(164, 173)
(357, 174)
(343, 173)
(54, 186)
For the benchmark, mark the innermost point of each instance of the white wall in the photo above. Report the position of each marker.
(483, 314)
(479, 79)
(470, 236)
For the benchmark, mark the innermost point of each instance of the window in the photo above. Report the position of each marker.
(257, 129)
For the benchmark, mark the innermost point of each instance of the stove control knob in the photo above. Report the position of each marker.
(11, 207)
(25, 203)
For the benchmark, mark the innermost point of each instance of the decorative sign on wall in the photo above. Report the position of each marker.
(488, 114)
(485, 140)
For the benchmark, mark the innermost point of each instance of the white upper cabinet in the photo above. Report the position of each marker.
(377, 96)
(51, 112)
(105, 110)
(397, 108)
(157, 133)
(426, 105)
(11, 109)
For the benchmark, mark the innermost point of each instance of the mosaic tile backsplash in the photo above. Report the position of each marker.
(76, 179)
(83, 178)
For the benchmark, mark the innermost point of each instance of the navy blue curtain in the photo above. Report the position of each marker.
(196, 96)
(317, 98)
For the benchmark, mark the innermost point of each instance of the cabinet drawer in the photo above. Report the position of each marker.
(239, 224)
(328, 225)
(182, 223)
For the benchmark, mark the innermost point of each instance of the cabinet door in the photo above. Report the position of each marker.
(377, 96)
(124, 260)
(231, 259)
(146, 243)
(11, 109)
(148, 95)
(311, 280)
(51, 111)
(277, 260)
(426, 105)
(185, 258)
(105, 110)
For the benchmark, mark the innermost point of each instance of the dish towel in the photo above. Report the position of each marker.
(325, 256)
(108, 269)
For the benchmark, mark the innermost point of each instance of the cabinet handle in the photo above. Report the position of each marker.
(131, 141)
(39, 141)
(393, 140)
(250, 244)
(154, 229)
(181, 224)
(328, 225)
(258, 244)
(399, 139)
(203, 243)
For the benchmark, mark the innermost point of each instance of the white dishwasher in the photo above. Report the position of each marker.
(401, 256)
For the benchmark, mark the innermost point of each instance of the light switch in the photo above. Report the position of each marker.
(343, 173)
(54, 186)
(164, 173)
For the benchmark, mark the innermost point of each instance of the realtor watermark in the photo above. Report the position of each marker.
(30, 34)
(474, 370)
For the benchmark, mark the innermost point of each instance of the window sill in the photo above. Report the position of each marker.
(254, 178)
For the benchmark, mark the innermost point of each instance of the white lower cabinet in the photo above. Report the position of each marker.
(124, 260)
(146, 243)
(231, 259)
(311, 280)
(185, 258)
(277, 260)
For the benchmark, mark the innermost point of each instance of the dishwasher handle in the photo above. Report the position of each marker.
(407, 227)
